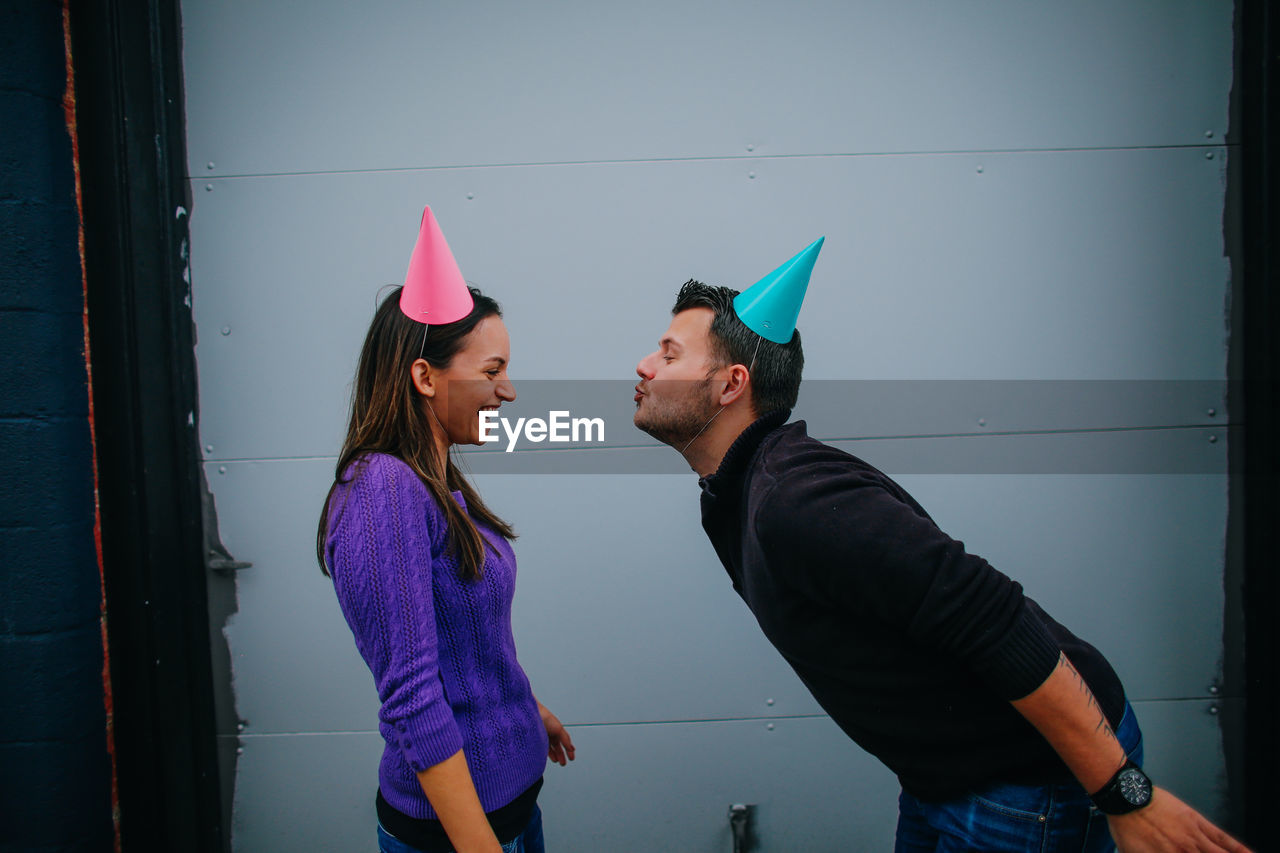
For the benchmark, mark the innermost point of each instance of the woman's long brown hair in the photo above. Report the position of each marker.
(388, 415)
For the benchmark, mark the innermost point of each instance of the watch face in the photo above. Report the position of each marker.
(1135, 787)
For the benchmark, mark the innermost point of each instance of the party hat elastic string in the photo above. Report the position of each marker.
(722, 408)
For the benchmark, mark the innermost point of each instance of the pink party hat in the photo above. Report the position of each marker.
(434, 290)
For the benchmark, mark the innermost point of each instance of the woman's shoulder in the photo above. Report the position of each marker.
(383, 486)
(378, 465)
(382, 478)
(380, 469)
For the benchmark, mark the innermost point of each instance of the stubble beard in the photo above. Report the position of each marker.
(676, 422)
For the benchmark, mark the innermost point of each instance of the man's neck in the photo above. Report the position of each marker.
(705, 453)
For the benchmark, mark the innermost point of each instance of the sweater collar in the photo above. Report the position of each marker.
(740, 452)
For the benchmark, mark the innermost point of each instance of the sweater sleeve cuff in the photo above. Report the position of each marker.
(428, 737)
(1022, 660)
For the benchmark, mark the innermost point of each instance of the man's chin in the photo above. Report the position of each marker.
(675, 441)
(639, 423)
(648, 428)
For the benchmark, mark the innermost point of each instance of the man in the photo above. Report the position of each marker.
(1002, 726)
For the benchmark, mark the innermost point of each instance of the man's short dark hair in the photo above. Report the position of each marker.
(775, 377)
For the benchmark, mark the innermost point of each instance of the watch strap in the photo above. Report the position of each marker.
(1128, 790)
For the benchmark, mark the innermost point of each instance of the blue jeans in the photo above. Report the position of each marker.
(1014, 818)
(528, 841)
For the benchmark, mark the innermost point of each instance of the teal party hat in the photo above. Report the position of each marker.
(771, 305)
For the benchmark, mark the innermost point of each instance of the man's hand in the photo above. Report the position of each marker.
(1064, 710)
(560, 745)
(1168, 824)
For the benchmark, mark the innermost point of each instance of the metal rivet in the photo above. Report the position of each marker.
(239, 750)
(210, 164)
(1214, 690)
(982, 421)
(1213, 710)
(226, 330)
(208, 448)
(471, 195)
(222, 469)
(1042, 818)
(979, 170)
(751, 148)
(1208, 134)
(768, 701)
(1208, 155)
(769, 727)
(208, 188)
(1213, 439)
(1211, 412)
(239, 727)
(751, 175)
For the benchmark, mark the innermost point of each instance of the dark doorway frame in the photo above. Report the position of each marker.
(1256, 79)
(132, 156)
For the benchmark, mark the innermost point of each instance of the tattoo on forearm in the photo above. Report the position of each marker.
(1103, 725)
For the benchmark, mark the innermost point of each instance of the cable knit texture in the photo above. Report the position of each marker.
(440, 648)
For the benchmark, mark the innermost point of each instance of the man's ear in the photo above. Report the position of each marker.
(424, 377)
(735, 384)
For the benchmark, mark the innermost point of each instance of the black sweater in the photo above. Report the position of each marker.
(912, 645)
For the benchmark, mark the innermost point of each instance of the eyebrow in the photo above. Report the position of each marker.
(670, 342)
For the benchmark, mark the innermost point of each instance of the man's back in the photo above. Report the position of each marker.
(914, 646)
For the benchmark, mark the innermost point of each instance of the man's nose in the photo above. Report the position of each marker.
(644, 369)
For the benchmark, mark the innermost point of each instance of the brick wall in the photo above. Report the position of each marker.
(54, 766)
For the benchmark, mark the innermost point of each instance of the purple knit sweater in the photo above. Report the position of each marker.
(440, 648)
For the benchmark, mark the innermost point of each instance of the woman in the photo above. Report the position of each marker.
(424, 574)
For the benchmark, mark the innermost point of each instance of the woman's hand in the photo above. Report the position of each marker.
(560, 745)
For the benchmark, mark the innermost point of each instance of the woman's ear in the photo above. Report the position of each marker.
(424, 377)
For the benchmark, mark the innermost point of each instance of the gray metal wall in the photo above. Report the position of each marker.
(1009, 191)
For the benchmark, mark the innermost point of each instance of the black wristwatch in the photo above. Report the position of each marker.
(1128, 790)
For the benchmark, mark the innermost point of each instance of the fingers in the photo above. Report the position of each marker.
(559, 744)
(1213, 837)
(560, 747)
(1222, 839)
(568, 743)
(555, 752)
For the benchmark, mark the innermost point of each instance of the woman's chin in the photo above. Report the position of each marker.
(472, 438)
